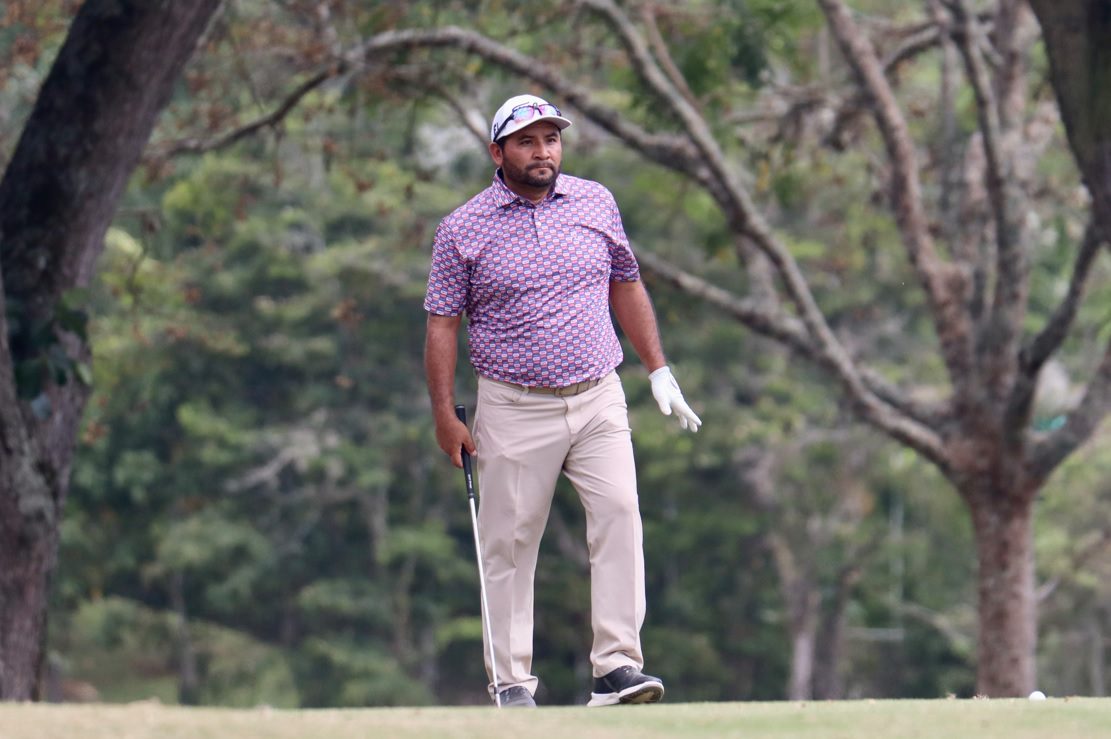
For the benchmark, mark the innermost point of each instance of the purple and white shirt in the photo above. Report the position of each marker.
(534, 281)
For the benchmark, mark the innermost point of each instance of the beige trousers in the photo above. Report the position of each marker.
(524, 441)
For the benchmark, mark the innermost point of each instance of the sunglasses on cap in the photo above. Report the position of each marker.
(526, 112)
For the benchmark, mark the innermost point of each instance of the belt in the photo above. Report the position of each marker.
(578, 387)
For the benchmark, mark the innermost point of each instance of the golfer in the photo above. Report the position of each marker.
(537, 261)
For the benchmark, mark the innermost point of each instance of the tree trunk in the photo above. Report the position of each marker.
(827, 659)
(802, 600)
(1006, 599)
(93, 116)
(1078, 43)
(803, 649)
(1096, 677)
(831, 639)
(188, 681)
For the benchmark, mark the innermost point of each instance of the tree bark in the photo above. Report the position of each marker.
(831, 633)
(188, 681)
(804, 640)
(91, 120)
(1078, 43)
(802, 601)
(1006, 599)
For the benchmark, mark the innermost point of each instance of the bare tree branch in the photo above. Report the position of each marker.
(1047, 453)
(752, 313)
(1035, 354)
(952, 627)
(270, 120)
(747, 219)
(1001, 335)
(1077, 561)
(945, 285)
(789, 104)
(663, 54)
(1015, 33)
(419, 78)
(911, 47)
(969, 43)
(465, 115)
(673, 151)
(328, 28)
(1050, 338)
(894, 412)
(949, 156)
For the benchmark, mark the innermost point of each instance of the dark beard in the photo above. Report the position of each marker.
(527, 177)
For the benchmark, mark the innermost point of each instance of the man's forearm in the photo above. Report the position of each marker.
(440, 357)
(633, 310)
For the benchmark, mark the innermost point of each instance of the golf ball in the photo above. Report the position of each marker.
(1037, 695)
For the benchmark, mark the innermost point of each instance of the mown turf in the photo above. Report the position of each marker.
(1075, 718)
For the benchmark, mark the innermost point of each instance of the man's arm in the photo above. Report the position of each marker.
(440, 355)
(633, 309)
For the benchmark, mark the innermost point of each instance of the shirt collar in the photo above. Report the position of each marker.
(503, 196)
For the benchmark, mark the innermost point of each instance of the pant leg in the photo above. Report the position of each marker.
(600, 466)
(521, 441)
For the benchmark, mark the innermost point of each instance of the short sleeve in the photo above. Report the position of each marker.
(448, 278)
(623, 264)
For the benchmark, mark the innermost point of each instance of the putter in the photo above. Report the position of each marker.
(461, 413)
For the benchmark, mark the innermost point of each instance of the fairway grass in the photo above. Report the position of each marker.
(1075, 718)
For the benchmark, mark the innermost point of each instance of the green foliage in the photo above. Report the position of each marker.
(360, 676)
(115, 641)
(259, 434)
(348, 600)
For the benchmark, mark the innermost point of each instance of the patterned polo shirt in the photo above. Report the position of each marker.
(534, 281)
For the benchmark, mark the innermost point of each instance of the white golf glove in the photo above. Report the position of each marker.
(667, 393)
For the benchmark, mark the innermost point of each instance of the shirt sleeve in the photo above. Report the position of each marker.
(623, 264)
(448, 278)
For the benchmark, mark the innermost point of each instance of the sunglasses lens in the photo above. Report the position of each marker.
(531, 110)
(526, 112)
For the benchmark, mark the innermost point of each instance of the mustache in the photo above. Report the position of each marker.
(541, 165)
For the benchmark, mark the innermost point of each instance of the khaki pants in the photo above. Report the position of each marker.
(524, 440)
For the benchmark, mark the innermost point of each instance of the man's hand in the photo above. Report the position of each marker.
(452, 435)
(667, 393)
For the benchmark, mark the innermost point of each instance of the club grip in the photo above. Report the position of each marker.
(461, 414)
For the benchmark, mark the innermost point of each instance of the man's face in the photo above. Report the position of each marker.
(530, 157)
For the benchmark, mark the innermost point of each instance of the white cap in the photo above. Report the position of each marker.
(505, 123)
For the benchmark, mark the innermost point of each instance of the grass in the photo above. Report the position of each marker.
(1068, 718)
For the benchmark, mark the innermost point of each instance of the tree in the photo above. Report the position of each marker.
(959, 203)
(1076, 41)
(970, 250)
(95, 111)
(682, 88)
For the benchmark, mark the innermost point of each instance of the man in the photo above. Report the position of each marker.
(537, 261)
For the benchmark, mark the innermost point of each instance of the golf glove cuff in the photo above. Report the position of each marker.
(670, 398)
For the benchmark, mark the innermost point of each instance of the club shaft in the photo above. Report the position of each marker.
(461, 413)
(485, 606)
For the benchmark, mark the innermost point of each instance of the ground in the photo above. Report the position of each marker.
(1059, 718)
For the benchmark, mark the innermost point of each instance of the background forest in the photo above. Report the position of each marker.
(258, 511)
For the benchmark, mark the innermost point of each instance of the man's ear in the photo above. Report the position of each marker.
(496, 153)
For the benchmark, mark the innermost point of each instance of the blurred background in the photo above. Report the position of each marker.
(259, 513)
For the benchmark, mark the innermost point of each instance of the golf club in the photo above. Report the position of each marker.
(461, 413)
